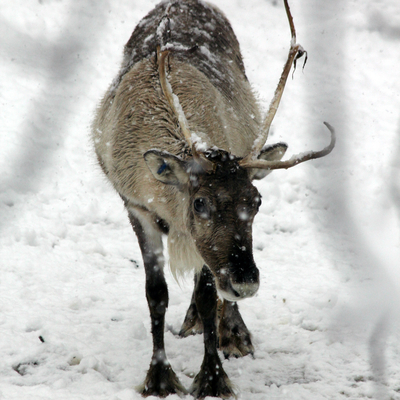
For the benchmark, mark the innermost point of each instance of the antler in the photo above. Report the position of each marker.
(176, 107)
(295, 52)
(171, 97)
(294, 160)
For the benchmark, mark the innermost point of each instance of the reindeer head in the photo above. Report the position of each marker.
(222, 205)
(222, 200)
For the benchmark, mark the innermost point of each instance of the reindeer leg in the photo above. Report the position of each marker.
(212, 379)
(234, 337)
(192, 324)
(161, 380)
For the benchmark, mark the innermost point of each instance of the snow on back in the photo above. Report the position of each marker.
(204, 49)
(175, 46)
(162, 27)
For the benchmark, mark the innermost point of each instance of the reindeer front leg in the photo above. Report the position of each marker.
(161, 380)
(212, 379)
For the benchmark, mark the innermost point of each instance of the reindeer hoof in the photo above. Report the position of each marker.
(234, 337)
(212, 381)
(236, 343)
(192, 324)
(161, 381)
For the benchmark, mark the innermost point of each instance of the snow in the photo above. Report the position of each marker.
(74, 321)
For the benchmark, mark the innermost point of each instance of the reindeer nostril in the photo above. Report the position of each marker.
(237, 294)
(243, 290)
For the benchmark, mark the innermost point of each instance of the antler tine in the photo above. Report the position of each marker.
(295, 52)
(171, 97)
(174, 103)
(294, 160)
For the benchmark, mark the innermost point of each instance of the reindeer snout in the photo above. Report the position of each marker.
(243, 278)
(245, 282)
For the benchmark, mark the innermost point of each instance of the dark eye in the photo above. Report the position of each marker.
(200, 206)
(257, 202)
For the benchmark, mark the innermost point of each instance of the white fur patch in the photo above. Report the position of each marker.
(183, 255)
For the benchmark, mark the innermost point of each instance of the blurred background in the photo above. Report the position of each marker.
(326, 240)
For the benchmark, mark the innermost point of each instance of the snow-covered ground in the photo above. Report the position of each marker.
(74, 322)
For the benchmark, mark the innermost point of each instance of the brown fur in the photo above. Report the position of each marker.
(140, 147)
(137, 117)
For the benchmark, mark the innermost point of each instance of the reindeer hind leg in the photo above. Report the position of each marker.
(234, 337)
(192, 324)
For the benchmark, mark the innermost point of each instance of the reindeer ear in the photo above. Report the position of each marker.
(272, 152)
(166, 167)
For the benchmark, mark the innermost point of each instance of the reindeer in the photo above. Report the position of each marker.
(180, 136)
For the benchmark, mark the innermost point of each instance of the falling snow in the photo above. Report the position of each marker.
(74, 320)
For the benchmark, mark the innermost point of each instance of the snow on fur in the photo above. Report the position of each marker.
(74, 320)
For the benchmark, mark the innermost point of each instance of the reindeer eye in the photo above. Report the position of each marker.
(200, 206)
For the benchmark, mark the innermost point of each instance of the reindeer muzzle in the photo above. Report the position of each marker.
(242, 280)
